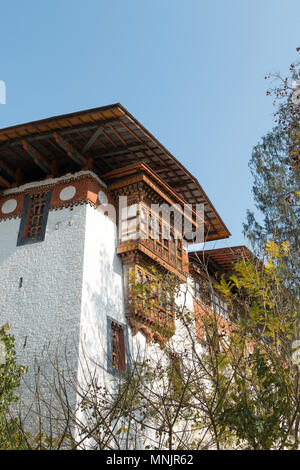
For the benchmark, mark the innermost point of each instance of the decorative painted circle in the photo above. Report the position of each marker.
(9, 206)
(67, 193)
(102, 198)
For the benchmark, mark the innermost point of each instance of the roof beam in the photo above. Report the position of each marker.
(70, 150)
(177, 187)
(162, 169)
(61, 129)
(118, 135)
(38, 159)
(4, 183)
(121, 150)
(109, 138)
(7, 170)
(130, 131)
(93, 138)
(19, 176)
(18, 179)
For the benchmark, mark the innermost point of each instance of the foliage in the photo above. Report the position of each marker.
(258, 407)
(205, 389)
(276, 185)
(263, 404)
(11, 437)
(224, 379)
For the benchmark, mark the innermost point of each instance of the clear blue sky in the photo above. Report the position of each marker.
(192, 71)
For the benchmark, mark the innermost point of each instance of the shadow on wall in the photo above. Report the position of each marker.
(103, 296)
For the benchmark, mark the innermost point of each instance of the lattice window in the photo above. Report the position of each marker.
(117, 347)
(158, 231)
(150, 225)
(218, 305)
(129, 223)
(166, 236)
(161, 233)
(148, 297)
(203, 294)
(34, 217)
(197, 290)
(179, 249)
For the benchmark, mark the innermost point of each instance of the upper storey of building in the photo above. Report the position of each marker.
(220, 260)
(110, 142)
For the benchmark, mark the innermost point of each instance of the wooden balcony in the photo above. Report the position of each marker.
(165, 256)
(159, 318)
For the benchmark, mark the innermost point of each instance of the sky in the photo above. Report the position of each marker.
(192, 72)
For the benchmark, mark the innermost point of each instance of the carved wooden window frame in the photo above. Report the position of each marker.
(154, 228)
(34, 214)
(163, 303)
(218, 305)
(197, 289)
(117, 347)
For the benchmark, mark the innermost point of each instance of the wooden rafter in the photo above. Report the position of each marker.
(160, 169)
(130, 131)
(92, 139)
(70, 150)
(101, 143)
(58, 149)
(121, 150)
(178, 187)
(118, 135)
(100, 130)
(19, 176)
(109, 139)
(37, 157)
(4, 183)
(7, 169)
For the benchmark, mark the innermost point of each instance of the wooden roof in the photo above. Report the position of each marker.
(221, 259)
(103, 139)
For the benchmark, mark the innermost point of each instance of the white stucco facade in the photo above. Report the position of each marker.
(40, 294)
(59, 292)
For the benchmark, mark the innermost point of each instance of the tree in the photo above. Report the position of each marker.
(276, 171)
(221, 379)
(211, 387)
(11, 435)
(263, 405)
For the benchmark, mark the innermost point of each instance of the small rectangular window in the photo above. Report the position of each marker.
(166, 236)
(34, 218)
(143, 222)
(197, 290)
(150, 225)
(117, 339)
(158, 231)
(179, 249)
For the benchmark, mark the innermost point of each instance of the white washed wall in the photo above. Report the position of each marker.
(103, 290)
(44, 313)
(72, 281)
(48, 304)
(102, 287)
